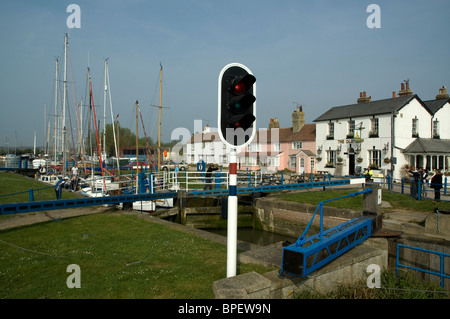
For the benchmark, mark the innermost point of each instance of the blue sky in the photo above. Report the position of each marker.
(317, 53)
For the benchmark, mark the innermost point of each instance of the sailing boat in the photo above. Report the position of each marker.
(148, 205)
(98, 186)
(145, 205)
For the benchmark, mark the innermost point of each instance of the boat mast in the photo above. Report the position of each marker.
(112, 121)
(96, 131)
(159, 126)
(64, 106)
(90, 133)
(137, 148)
(56, 108)
(104, 111)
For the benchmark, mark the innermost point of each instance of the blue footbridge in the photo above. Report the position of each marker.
(171, 188)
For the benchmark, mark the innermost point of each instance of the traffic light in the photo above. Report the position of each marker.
(236, 105)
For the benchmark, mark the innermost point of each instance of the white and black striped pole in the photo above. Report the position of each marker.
(237, 128)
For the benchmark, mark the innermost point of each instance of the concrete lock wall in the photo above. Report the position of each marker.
(289, 218)
(419, 259)
(350, 268)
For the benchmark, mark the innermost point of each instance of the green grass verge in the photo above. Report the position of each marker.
(397, 201)
(14, 188)
(120, 256)
(403, 286)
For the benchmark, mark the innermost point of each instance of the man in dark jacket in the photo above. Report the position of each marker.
(208, 176)
(436, 183)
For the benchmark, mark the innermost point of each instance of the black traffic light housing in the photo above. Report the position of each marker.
(236, 105)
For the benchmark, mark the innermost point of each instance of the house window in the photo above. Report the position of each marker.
(276, 146)
(313, 162)
(373, 127)
(330, 135)
(254, 147)
(331, 158)
(192, 158)
(192, 147)
(415, 127)
(375, 158)
(351, 129)
(297, 145)
(435, 129)
(302, 162)
(273, 161)
(292, 161)
(251, 161)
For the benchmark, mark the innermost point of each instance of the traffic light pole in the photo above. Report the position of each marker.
(237, 128)
(232, 216)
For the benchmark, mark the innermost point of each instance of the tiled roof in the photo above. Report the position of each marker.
(435, 105)
(385, 106)
(306, 133)
(428, 145)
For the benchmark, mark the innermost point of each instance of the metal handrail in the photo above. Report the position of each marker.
(441, 270)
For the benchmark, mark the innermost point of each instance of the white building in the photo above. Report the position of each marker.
(385, 134)
(206, 146)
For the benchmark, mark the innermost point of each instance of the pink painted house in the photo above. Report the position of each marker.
(277, 149)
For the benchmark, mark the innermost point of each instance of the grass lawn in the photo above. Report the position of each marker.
(120, 256)
(15, 189)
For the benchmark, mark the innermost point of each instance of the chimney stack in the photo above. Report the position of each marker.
(274, 123)
(363, 98)
(298, 119)
(442, 93)
(405, 90)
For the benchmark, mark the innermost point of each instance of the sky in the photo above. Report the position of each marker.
(318, 54)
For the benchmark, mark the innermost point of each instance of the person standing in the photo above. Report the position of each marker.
(414, 182)
(74, 179)
(58, 187)
(436, 183)
(208, 176)
(75, 170)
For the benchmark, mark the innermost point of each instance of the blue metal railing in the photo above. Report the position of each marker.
(419, 190)
(71, 203)
(441, 269)
(308, 254)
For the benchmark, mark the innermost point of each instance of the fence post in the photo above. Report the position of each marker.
(30, 192)
(419, 189)
(445, 186)
(403, 185)
(181, 203)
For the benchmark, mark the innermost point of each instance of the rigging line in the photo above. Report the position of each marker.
(70, 122)
(33, 251)
(76, 109)
(96, 133)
